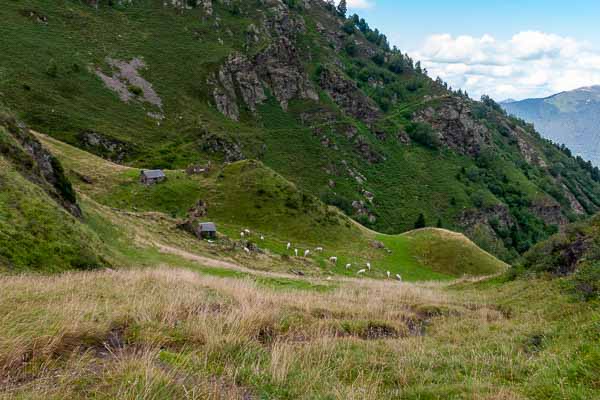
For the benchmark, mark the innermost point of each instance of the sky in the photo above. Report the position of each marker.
(504, 48)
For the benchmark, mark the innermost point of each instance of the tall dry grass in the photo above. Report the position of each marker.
(169, 333)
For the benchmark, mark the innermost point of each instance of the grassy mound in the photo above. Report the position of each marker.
(451, 253)
(37, 234)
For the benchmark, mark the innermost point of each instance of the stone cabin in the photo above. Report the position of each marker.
(207, 230)
(152, 176)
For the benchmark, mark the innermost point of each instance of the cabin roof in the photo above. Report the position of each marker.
(153, 173)
(208, 227)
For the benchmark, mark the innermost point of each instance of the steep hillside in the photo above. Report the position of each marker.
(320, 99)
(574, 253)
(40, 221)
(248, 195)
(570, 118)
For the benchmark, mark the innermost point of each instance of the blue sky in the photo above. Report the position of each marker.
(505, 48)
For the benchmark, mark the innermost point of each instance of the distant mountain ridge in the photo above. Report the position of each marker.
(571, 118)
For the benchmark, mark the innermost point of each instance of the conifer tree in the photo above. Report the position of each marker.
(342, 8)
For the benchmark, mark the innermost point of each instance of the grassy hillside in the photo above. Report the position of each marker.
(248, 195)
(41, 226)
(349, 123)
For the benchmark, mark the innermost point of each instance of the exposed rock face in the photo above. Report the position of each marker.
(575, 204)
(127, 82)
(458, 128)
(38, 165)
(277, 68)
(366, 151)
(498, 215)
(348, 96)
(529, 153)
(230, 150)
(362, 211)
(113, 149)
(550, 212)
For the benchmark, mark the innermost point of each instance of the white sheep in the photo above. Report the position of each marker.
(399, 277)
(348, 266)
(369, 266)
(289, 245)
(389, 274)
(319, 249)
(262, 237)
(306, 253)
(242, 234)
(247, 231)
(333, 259)
(362, 271)
(247, 250)
(296, 252)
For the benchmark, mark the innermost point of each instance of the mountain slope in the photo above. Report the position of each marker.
(40, 220)
(321, 100)
(249, 195)
(570, 118)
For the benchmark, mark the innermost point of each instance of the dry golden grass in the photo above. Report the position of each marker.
(170, 333)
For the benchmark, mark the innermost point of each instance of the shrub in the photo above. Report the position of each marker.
(424, 135)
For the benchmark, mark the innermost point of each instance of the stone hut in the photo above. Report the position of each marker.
(152, 176)
(206, 230)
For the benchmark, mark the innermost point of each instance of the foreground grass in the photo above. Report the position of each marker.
(168, 333)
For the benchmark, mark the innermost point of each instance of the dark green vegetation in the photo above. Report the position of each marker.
(352, 121)
(574, 252)
(40, 226)
(569, 118)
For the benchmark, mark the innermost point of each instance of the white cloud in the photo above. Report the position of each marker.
(530, 64)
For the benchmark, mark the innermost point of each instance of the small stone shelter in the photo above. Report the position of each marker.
(152, 176)
(206, 230)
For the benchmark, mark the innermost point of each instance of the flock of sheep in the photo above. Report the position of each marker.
(333, 260)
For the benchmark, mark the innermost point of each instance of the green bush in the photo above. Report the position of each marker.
(424, 135)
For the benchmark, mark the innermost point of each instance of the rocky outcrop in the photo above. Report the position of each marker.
(458, 128)
(495, 217)
(549, 211)
(212, 143)
(346, 94)
(109, 148)
(125, 80)
(37, 164)
(278, 68)
(529, 153)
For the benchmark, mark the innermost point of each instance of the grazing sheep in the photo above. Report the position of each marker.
(262, 237)
(389, 274)
(348, 266)
(362, 271)
(247, 231)
(369, 266)
(247, 250)
(306, 253)
(296, 252)
(289, 245)
(333, 259)
(399, 277)
(319, 249)
(242, 234)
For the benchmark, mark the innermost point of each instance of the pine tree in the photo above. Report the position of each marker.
(421, 223)
(342, 8)
(439, 223)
